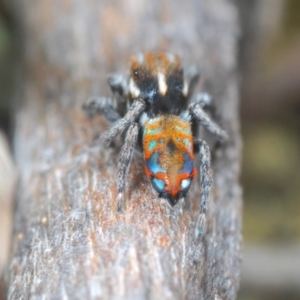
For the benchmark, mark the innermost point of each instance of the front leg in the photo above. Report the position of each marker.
(137, 107)
(109, 107)
(203, 118)
(204, 99)
(118, 85)
(103, 106)
(206, 180)
(124, 162)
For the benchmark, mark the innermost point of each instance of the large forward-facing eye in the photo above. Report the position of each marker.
(136, 73)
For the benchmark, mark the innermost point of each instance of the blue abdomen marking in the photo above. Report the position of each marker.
(152, 145)
(188, 143)
(158, 184)
(153, 164)
(186, 130)
(188, 166)
(154, 120)
(153, 131)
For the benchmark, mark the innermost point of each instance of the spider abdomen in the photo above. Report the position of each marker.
(169, 155)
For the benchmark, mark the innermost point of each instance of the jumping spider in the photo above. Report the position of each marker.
(152, 108)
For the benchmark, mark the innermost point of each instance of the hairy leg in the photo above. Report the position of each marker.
(138, 106)
(102, 105)
(206, 180)
(203, 118)
(124, 161)
(204, 99)
(118, 85)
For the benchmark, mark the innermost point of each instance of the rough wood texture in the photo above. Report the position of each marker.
(68, 241)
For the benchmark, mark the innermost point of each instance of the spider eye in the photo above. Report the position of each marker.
(136, 73)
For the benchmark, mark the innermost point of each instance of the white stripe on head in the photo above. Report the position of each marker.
(185, 88)
(162, 85)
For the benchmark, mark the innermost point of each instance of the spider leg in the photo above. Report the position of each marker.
(203, 118)
(204, 99)
(206, 180)
(124, 161)
(109, 107)
(137, 107)
(102, 105)
(118, 85)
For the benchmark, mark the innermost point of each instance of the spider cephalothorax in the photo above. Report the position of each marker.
(158, 101)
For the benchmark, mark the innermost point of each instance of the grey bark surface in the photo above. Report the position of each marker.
(68, 241)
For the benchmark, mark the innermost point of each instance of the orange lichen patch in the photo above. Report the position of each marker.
(163, 241)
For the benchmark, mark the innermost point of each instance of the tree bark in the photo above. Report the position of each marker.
(68, 240)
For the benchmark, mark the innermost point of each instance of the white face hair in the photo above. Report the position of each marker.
(162, 84)
(133, 89)
(185, 88)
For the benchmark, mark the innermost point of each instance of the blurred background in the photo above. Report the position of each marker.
(270, 117)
